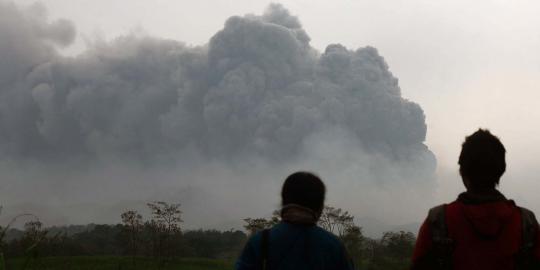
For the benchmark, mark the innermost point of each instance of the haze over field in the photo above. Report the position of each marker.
(89, 131)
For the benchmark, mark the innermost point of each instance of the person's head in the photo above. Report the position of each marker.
(305, 189)
(482, 161)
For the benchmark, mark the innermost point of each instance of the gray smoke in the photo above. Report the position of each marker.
(254, 103)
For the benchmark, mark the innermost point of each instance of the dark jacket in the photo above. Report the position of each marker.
(486, 233)
(296, 247)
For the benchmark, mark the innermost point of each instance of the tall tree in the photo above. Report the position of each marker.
(166, 219)
(133, 225)
(335, 220)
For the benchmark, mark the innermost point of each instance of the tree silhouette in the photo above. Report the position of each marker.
(165, 222)
(335, 220)
(133, 226)
(254, 225)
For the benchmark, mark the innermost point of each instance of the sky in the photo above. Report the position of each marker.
(467, 64)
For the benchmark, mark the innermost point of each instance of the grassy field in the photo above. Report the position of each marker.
(115, 263)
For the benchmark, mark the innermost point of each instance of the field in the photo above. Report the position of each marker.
(115, 263)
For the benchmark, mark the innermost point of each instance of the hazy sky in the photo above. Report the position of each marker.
(468, 64)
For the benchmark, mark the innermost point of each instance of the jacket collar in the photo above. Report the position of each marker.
(476, 198)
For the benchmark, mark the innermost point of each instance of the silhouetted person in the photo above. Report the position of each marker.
(481, 229)
(296, 243)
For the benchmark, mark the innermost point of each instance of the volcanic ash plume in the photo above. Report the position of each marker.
(257, 98)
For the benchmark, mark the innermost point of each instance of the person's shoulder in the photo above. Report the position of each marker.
(526, 215)
(439, 209)
(256, 237)
(445, 207)
(522, 208)
(326, 236)
(331, 245)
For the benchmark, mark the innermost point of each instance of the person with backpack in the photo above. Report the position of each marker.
(296, 242)
(481, 229)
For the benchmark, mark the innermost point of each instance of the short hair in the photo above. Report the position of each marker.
(305, 189)
(482, 159)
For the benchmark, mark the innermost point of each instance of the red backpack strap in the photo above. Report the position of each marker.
(443, 245)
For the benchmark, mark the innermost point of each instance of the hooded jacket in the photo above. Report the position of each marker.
(486, 232)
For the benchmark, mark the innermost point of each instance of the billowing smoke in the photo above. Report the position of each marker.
(219, 120)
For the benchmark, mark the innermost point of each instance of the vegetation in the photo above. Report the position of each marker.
(113, 240)
(160, 243)
(116, 263)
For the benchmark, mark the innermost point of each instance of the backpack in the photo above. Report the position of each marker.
(443, 245)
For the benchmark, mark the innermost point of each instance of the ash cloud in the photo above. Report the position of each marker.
(254, 103)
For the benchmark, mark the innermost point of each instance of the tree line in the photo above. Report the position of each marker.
(161, 237)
